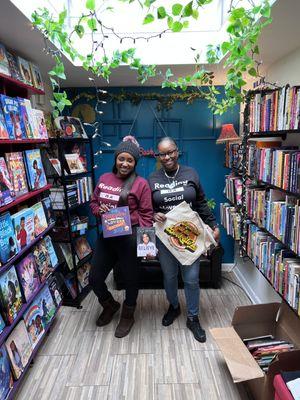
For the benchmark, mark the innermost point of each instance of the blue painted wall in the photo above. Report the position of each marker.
(194, 127)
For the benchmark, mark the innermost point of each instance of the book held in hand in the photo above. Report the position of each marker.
(146, 243)
(10, 295)
(8, 242)
(116, 222)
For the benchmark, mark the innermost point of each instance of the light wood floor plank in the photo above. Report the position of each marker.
(85, 393)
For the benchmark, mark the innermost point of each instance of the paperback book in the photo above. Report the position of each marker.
(31, 119)
(40, 123)
(48, 210)
(116, 222)
(37, 77)
(25, 71)
(12, 115)
(26, 125)
(24, 227)
(3, 131)
(47, 305)
(146, 243)
(56, 165)
(74, 163)
(70, 282)
(16, 169)
(39, 219)
(33, 319)
(8, 243)
(6, 187)
(82, 247)
(19, 349)
(6, 378)
(71, 126)
(4, 66)
(43, 260)
(67, 254)
(51, 251)
(80, 149)
(83, 275)
(55, 291)
(28, 276)
(13, 66)
(35, 170)
(10, 295)
(2, 324)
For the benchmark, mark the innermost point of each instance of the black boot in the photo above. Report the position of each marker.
(126, 321)
(110, 307)
(194, 325)
(171, 315)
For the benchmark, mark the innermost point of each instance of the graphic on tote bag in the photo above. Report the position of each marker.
(183, 236)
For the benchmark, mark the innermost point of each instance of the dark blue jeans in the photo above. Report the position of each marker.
(108, 252)
(190, 277)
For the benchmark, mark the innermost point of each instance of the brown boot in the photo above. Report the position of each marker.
(110, 307)
(126, 321)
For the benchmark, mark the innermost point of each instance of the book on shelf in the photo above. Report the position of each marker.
(3, 131)
(55, 290)
(56, 165)
(48, 210)
(51, 251)
(2, 324)
(43, 260)
(231, 220)
(24, 67)
(71, 126)
(74, 163)
(83, 275)
(6, 381)
(12, 115)
(28, 276)
(82, 247)
(6, 188)
(13, 66)
(8, 243)
(67, 254)
(24, 227)
(40, 123)
(39, 219)
(4, 64)
(36, 77)
(26, 123)
(79, 149)
(10, 295)
(70, 283)
(17, 173)
(35, 170)
(19, 349)
(31, 119)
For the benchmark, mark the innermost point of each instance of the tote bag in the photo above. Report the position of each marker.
(185, 234)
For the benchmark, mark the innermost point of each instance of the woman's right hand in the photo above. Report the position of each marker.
(159, 217)
(103, 208)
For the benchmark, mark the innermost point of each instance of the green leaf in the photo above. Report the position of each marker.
(90, 5)
(195, 14)
(170, 22)
(252, 72)
(177, 26)
(266, 11)
(161, 12)
(68, 102)
(62, 17)
(188, 10)
(53, 103)
(148, 19)
(148, 3)
(79, 29)
(185, 24)
(176, 9)
(168, 73)
(92, 24)
(225, 47)
(238, 13)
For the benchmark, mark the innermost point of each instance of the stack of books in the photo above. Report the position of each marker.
(231, 220)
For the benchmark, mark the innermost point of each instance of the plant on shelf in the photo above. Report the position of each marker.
(240, 49)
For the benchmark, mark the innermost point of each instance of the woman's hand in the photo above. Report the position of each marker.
(103, 208)
(159, 217)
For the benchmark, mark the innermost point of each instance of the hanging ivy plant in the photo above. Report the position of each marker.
(240, 49)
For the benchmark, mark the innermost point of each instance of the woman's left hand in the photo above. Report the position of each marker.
(216, 234)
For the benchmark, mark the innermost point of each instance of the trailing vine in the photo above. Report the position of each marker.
(240, 49)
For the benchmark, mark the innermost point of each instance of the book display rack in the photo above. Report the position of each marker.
(268, 206)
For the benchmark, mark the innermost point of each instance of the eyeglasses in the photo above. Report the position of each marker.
(170, 153)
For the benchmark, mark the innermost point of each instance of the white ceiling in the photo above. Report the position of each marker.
(279, 39)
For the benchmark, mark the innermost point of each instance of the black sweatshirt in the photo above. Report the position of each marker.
(185, 186)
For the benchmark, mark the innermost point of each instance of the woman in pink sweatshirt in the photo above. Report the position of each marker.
(118, 188)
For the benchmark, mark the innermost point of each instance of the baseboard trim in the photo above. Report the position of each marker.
(227, 267)
(245, 285)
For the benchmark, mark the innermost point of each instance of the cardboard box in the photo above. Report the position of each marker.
(255, 320)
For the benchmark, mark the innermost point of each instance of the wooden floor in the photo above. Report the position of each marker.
(80, 361)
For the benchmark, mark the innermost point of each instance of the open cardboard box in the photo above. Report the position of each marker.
(255, 320)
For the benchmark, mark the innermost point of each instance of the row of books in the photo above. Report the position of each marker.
(275, 110)
(233, 155)
(19, 173)
(20, 283)
(78, 192)
(231, 220)
(18, 347)
(278, 264)
(20, 69)
(276, 212)
(265, 349)
(75, 163)
(82, 250)
(20, 229)
(233, 189)
(279, 167)
(18, 120)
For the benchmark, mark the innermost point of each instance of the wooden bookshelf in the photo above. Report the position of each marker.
(274, 187)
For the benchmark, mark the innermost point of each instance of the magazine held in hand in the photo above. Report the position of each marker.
(116, 222)
(146, 244)
(185, 234)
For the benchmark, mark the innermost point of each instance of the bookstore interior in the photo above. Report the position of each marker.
(121, 275)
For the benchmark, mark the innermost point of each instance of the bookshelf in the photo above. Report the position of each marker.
(271, 109)
(71, 202)
(11, 205)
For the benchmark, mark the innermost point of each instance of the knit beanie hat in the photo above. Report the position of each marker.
(129, 145)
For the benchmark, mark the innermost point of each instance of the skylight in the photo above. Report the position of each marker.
(126, 19)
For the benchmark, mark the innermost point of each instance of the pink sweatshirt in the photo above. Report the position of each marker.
(108, 191)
